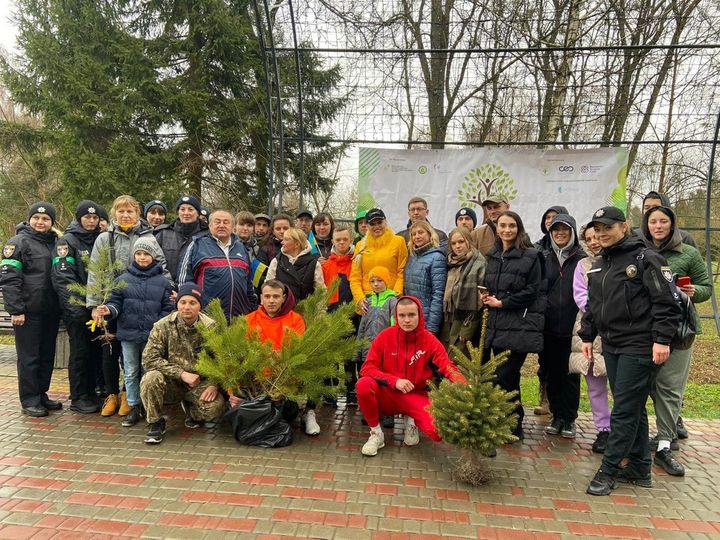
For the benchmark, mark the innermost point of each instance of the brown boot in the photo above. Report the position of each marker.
(110, 406)
(544, 407)
(125, 407)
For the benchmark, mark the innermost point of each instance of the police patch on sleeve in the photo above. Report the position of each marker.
(62, 250)
(8, 251)
(666, 273)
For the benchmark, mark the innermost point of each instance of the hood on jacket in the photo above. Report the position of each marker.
(49, 236)
(672, 242)
(288, 304)
(558, 209)
(350, 253)
(76, 229)
(562, 253)
(657, 195)
(421, 318)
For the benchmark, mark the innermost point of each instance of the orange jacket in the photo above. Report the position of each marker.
(334, 267)
(272, 329)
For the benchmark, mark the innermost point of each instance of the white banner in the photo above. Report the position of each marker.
(531, 179)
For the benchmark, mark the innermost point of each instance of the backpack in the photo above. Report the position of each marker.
(687, 327)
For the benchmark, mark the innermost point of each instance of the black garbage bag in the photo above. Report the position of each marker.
(260, 422)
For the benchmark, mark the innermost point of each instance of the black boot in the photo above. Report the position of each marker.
(602, 484)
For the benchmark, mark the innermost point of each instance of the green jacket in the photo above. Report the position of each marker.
(686, 260)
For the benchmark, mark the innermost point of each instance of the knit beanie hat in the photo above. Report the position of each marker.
(190, 289)
(189, 199)
(85, 208)
(147, 245)
(380, 272)
(42, 207)
(154, 202)
(467, 212)
(102, 212)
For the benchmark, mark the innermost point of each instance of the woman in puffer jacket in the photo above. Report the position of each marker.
(594, 370)
(426, 273)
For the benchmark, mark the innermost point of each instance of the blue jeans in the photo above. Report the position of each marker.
(132, 354)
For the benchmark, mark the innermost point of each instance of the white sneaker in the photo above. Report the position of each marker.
(373, 444)
(311, 425)
(412, 435)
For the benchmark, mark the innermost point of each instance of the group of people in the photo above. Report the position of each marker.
(600, 302)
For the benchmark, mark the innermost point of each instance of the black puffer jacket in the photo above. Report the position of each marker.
(25, 272)
(630, 303)
(516, 278)
(68, 267)
(561, 309)
(174, 238)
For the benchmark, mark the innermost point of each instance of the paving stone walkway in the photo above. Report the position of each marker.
(76, 477)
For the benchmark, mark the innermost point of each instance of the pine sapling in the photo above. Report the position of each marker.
(476, 417)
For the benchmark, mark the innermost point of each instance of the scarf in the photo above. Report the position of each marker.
(465, 273)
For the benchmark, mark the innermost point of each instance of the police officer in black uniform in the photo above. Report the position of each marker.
(33, 306)
(69, 268)
(631, 306)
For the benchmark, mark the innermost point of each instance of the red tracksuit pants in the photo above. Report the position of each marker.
(373, 398)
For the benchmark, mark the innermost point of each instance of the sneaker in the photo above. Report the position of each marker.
(600, 443)
(674, 444)
(373, 444)
(412, 435)
(555, 427)
(601, 484)
(132, 417)
(156, 432)
(110, 406)
(568, 431)
(125, 407)
(388, 422)
(84, 406)
(628, 475)
(672, 466)
(351, 399)
(36, 411)
(680, 429)
(311, 425)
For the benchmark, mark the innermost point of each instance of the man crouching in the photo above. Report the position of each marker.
(169, 362)
(395, 373)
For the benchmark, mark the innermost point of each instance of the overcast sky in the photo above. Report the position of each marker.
(7, 29)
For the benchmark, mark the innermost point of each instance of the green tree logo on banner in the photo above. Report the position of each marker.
(483, 181)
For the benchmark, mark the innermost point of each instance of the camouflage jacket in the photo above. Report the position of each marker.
(173, 347)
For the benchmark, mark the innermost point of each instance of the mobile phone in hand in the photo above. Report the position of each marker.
(683, 281)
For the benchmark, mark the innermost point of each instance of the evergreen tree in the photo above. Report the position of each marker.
(307, 366)
(476, 417)
(152, 98)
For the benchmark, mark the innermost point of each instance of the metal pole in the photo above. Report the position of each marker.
(301, 122)
(268, 107)
(708, 250)
(281, 127)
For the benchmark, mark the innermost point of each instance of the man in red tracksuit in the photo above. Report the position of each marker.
(395, 374)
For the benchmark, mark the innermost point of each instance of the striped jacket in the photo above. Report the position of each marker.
(220, 273)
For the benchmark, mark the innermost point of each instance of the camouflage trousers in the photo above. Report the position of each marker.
(156, 389)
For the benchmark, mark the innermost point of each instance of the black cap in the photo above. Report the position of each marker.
(102, 212)
(152, 204)
(42, 207)
(467, 211)
(190, 289)
(373, 214)
(303, 212)
(607, 215)
(85, 208)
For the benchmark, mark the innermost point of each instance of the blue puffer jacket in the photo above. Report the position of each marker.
(226, 277)
(425, 278)
(144, 300)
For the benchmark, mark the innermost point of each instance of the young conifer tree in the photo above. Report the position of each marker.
(476, 417)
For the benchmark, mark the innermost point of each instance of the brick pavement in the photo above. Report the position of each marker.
(78, 477)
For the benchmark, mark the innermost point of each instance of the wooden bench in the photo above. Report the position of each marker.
(62, 343)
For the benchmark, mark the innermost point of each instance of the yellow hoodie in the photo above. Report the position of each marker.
(387, 250)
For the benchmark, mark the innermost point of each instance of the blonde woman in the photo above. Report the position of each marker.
(426, 273)
(296, 266)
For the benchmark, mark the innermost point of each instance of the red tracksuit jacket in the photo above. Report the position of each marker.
(396, 354)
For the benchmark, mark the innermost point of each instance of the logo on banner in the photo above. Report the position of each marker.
(566, 168)
(422, 169)
(483, 181)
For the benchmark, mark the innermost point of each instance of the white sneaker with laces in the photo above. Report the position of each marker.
(412, 435)
(373, 444)
(311, 425)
